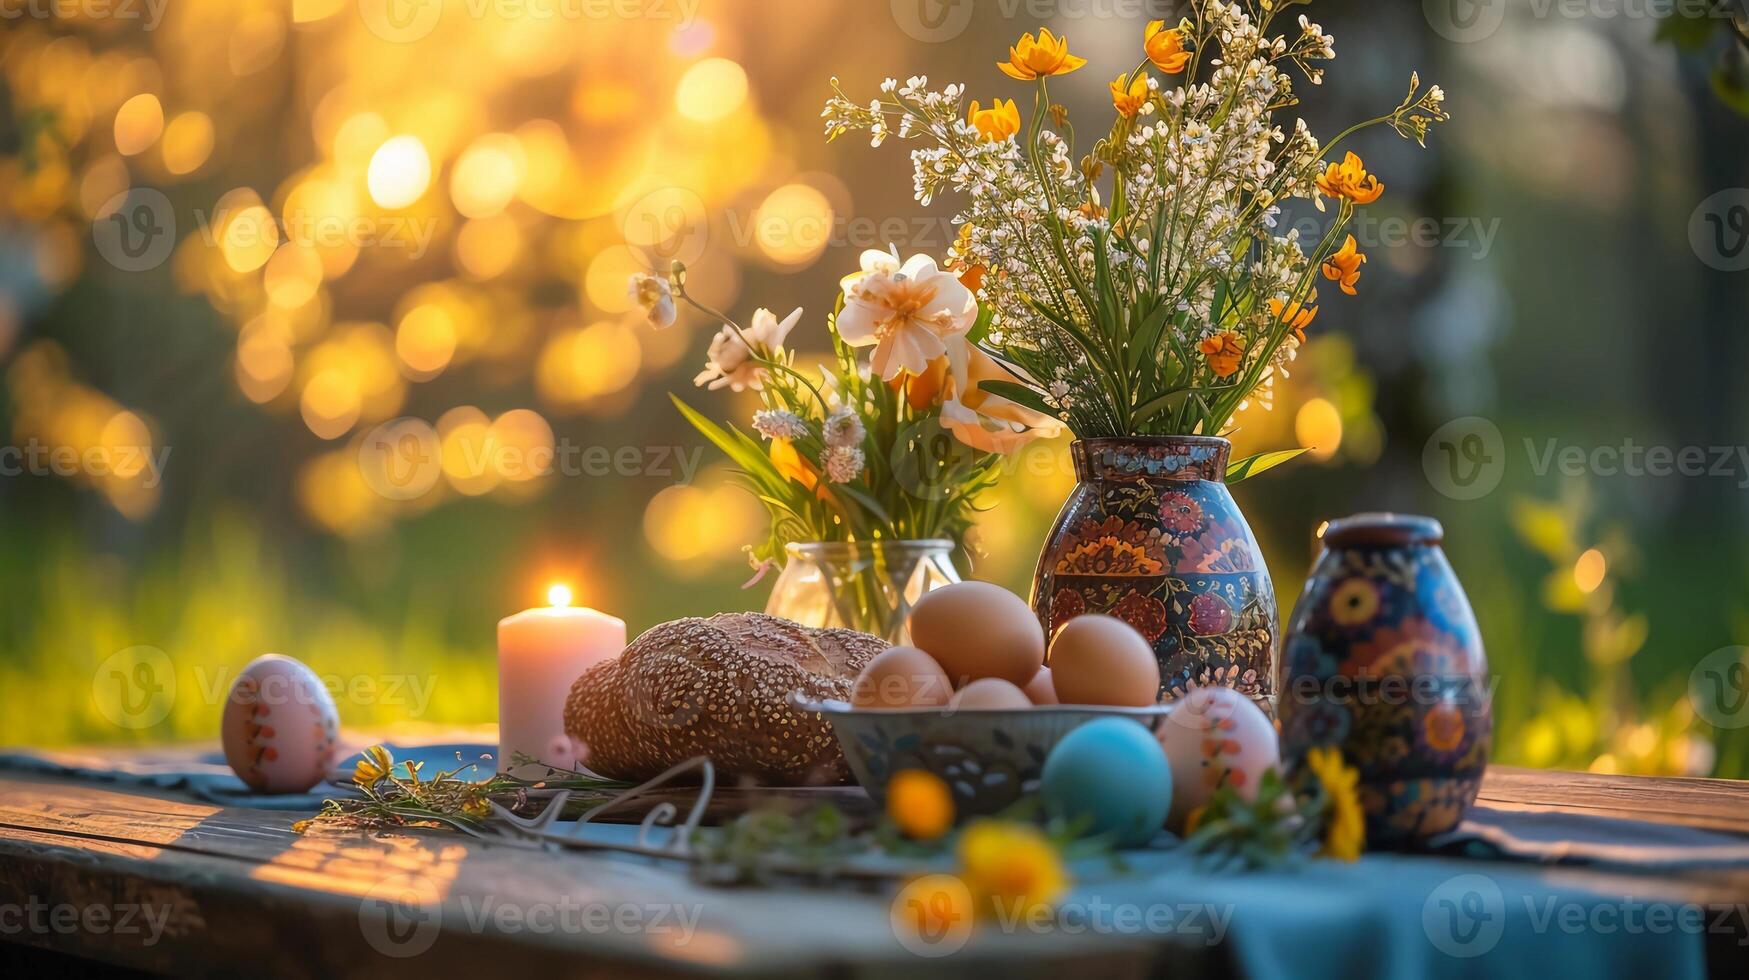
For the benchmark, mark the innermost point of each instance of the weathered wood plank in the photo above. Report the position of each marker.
(1714, 804)
(352, 901)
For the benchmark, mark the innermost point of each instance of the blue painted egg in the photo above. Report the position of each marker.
(1113, 773)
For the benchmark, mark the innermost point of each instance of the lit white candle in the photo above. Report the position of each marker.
(541, 653)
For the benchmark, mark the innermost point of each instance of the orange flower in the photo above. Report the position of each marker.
(924, 390)
(996, 123)
(1344, 266)
(1224, 352)
(1165, 47)
(1130, 98)
(1299, 316)
(920, 804)
(1350, 180)
(1049, 55)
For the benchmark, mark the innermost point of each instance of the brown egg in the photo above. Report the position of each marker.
(1103, 660)
(990, 694)
(901, 677)
(1040, 689)
(977, 630)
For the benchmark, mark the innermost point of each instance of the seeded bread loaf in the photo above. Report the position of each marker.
(719, 687)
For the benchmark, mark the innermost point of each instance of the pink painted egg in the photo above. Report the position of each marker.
(1216, 737)
(280, 727)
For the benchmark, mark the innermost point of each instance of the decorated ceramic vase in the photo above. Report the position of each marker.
(1383, 660)
(1152, 536)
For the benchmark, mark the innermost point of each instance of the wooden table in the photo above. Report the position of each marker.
(229, 889)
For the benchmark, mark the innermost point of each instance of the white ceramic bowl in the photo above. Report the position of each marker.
(989, 759)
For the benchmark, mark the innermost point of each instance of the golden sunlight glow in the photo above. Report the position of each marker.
(138, 124)
(1589, 570)
(1318, 428)
(248, 236)
(188, 141)
(710, 90)
(486, 175)
(425, 340)
(578, 366)
(400, 172)
(487, 247)
(331, 403)
(793, 225)
(559, 595)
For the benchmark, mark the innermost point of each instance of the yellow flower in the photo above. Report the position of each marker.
(1129, 99)
(1299, 316)
(997, 123)
(1344, 266)
(1224, 352)
(1344, 820)
(792, 466)
(1350, 180)
(374, 766)
(1165, 47)
(1049, 55)
(920, 804)
(1011, 866)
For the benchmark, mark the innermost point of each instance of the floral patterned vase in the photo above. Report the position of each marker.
(1384, 661)
(1152, 536)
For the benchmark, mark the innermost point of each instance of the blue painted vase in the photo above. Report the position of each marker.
(1152, 535)
(1384, 661)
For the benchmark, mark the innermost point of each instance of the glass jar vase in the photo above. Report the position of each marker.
(869, 586)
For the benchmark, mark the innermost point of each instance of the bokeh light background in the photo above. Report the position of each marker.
(427, 211)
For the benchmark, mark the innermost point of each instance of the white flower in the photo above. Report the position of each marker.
(908, 312)
(730, 364)
(773, 423)
(842, 465)
(844, 428)
(654, 295)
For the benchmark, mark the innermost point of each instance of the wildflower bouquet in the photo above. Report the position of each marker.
(1163, 298)
(892, 448)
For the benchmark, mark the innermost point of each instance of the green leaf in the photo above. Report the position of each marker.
(1024, 395)
(1250, 466)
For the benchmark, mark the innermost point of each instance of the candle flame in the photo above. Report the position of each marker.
(559, 595)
